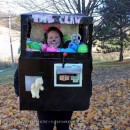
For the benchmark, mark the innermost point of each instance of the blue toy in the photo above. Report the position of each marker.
(73, 45)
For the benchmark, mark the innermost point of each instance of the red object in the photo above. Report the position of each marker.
(59, 27)
(65, 54)
(46, 28)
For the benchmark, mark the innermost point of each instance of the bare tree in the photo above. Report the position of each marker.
(86, 7)
(6, 16)
(34, 5)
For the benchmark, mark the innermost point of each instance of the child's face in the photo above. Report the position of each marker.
(53, 39)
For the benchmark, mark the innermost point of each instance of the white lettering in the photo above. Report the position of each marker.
(50, 19)
(61, 19)
(35, 18)
(43, 19)
(71, 20)
(67, 20)
(39, 18)
(77, 20)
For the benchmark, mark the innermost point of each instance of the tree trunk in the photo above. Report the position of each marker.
(83, 7)
(79, 6)
(121, 55)
(121, 45)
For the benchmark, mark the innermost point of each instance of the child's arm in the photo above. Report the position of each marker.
(16, 87)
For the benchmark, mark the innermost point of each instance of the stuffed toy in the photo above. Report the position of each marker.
(83, 48)
(47, 48)
(75, 38)
(36, 87)
(33, 46)
(73, 45)
(66, 38)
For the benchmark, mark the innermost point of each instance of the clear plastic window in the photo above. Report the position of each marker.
(74, 38)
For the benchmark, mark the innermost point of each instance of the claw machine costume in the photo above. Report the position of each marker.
(55, 80)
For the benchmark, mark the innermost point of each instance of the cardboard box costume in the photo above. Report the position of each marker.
(66, 79)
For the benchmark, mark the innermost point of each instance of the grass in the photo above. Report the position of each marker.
(6, 71)
(99, 59)
(108, 57)
(115, 63)
(7, 75)
(7, 62)
(4, 65)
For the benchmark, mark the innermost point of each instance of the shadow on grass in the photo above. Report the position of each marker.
(7, 75)
(115, 63)
(6, 64)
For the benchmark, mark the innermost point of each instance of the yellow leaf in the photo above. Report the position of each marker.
(0, 123)
(78, 114)
(128, 113)
(118, 93)
(94, 127)
(107, 128)
(128, 128)
(80, 124)
(89, 116)
(106, 110)
(10, 109)
(10, 113)
(128, 105)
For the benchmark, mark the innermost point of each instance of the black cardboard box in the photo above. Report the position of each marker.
(67, 86)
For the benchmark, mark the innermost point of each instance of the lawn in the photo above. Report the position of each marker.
(7, 75)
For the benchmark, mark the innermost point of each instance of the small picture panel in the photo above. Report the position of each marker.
(68, 76)
(29, 80)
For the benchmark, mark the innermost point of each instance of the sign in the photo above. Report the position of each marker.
(62, 19)
(69, 76)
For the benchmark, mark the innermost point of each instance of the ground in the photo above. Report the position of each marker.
(109, 105)
(104, 74)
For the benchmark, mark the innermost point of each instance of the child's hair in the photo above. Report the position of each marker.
(53, 29)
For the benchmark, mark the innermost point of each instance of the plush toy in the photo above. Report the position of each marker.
(66, 38)
(83, 48)
(33, 45)
(69, 50)
(75, 38)
(36, 87)
(47, 48)
(73, 45)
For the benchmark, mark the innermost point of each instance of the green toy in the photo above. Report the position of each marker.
(66, 38)
(83, 48)
(33, 45)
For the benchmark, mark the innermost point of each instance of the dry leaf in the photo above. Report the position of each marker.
(109, 108)
(0, 122)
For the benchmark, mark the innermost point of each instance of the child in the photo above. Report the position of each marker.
(53, 37)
